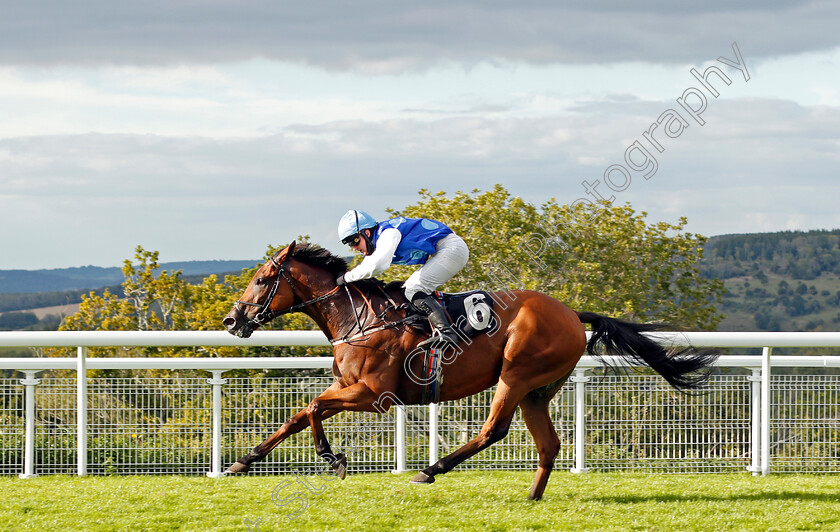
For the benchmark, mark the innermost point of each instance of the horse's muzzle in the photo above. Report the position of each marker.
(236, 325)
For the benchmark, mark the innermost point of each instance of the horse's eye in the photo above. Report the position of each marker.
(260, 281)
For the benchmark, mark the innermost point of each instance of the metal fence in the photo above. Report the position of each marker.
(182, 424)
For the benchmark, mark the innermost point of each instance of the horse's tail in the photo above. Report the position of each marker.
(685, 369)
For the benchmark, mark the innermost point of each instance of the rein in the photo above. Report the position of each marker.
(363, 333)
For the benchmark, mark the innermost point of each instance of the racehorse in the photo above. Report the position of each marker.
(538, 342)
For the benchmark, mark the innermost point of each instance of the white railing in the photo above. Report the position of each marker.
(760, 366)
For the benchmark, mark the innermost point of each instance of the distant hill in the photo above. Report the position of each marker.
(93, 277)
(784, 281)
(795, 254)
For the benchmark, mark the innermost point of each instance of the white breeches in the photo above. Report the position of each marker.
(452, 254)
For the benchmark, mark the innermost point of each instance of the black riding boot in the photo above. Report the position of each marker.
(439, 320)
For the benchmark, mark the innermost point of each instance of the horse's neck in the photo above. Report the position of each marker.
(322, 323)
(330, 315)
(322, 316)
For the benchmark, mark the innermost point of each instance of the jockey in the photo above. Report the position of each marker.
(401, 240)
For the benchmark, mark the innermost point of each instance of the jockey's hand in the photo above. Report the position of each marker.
(340, 280)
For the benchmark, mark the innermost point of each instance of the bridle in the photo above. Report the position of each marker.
(265, 313)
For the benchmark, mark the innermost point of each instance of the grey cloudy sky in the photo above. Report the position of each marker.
(207, 130)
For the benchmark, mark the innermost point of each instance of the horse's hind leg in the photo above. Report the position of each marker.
(535, 412)
(495, 428)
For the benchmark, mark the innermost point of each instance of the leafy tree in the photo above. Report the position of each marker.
(17, 320)
(599, 258)
(159, 298)
(106, 312)
(784, 287)
(162, 300)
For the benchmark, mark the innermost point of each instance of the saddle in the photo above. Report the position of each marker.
(471, 313)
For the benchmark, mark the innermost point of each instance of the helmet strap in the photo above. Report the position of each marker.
(370, 245)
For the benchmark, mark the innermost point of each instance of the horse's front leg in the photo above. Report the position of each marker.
(357, 397)
(295, 424)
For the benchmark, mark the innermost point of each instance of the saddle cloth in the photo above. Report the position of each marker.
(471, 313)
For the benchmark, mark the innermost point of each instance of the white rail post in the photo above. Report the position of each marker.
(81, 411)
(216, 460)
(29, 443)
(433, 433)
(755, 421)
(399, 437)
(765, 410)
(580, 380)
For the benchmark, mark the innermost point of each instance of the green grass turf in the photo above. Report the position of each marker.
(471, 500)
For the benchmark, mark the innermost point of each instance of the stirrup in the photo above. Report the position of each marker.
(438, 339)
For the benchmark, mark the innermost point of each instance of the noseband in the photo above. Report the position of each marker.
(265, 313)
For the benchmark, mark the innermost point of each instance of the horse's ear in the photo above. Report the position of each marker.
(291, 248)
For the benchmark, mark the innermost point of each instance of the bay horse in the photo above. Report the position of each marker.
(537, 345)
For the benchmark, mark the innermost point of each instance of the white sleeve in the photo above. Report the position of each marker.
(379, 260)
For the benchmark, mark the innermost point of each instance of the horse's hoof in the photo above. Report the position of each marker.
(340, 465)
(422, 478)
(236, 468)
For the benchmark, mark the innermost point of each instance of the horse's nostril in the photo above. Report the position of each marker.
(228, 322)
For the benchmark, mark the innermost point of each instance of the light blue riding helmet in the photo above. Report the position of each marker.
(352, 224)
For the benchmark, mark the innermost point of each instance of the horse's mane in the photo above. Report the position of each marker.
(322, 258)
